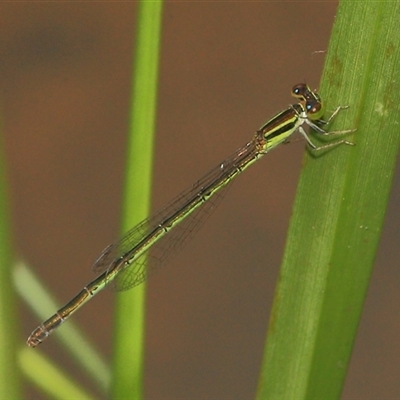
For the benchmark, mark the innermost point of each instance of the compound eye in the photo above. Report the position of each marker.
(313, 107)
(299, 90)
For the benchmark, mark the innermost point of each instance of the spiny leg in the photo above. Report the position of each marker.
(328, 145)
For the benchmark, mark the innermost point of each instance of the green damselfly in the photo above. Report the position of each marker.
(123, 264)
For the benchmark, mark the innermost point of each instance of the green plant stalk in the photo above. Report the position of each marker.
(38, 298)
(50, 379)
(129, 323)
(9, 375)
(338, 213)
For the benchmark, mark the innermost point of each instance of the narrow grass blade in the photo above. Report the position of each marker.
(9, 376)
(43, 304)
(44, 374)
(129, 324)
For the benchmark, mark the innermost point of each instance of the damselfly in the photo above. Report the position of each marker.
(123, 264)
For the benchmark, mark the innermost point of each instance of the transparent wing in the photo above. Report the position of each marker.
(166, 247)
(138, 269)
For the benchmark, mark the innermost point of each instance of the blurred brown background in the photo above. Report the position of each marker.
(225, 69)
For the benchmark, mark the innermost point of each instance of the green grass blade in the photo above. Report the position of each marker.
(44, 374)
(338, 212)
(35, 295)
(9, 376)
(129, 324)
